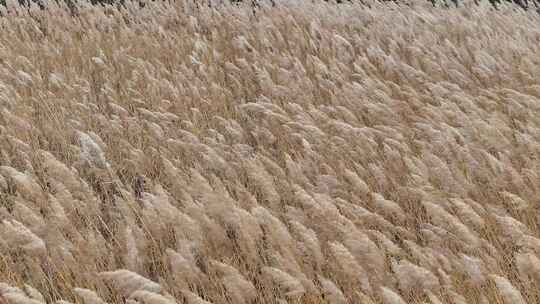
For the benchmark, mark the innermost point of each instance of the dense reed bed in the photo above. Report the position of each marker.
(303, 153)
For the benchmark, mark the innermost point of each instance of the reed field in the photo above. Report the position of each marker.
(303, 153)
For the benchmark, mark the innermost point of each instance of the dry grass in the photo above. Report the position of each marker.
(311, 153)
